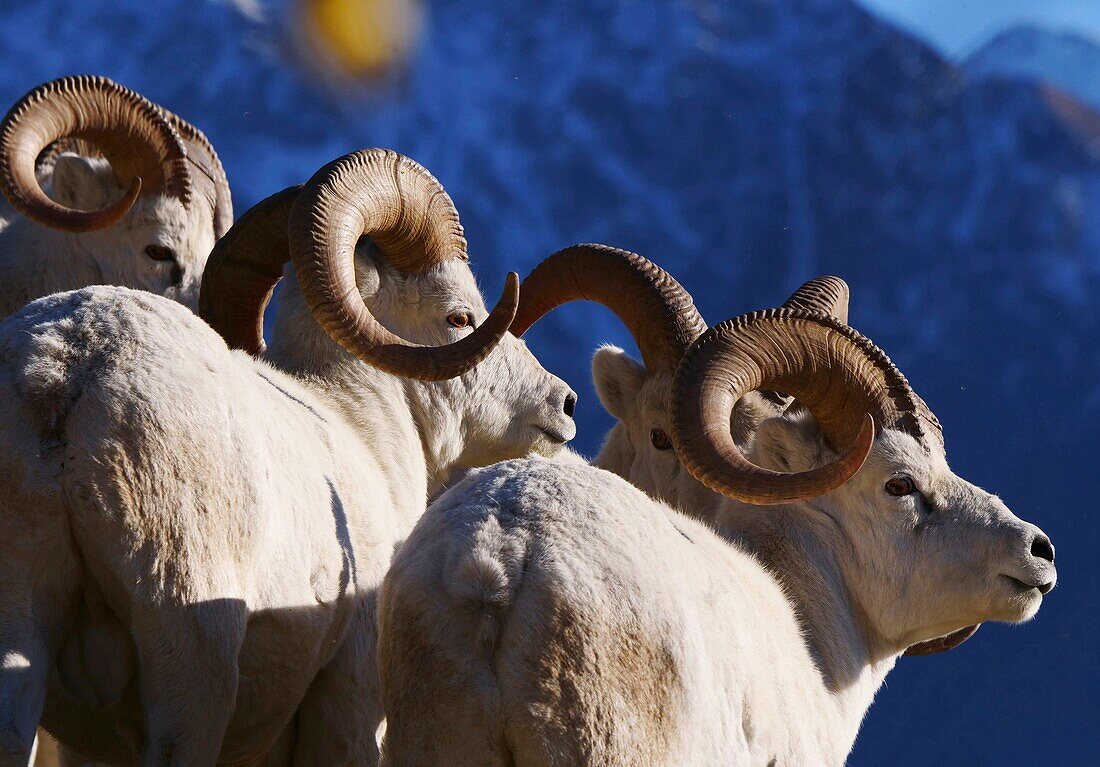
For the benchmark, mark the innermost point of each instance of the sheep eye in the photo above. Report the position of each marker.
(901, 486)
(660, 439)
(160, 253)
(460, 320)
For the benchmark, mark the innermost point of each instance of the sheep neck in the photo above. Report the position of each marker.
(804, 551)
(42, 262)
(395, 419)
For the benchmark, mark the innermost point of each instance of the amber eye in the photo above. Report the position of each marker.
(459, 320)
(901, 486)
(160, 253)
(659, 439)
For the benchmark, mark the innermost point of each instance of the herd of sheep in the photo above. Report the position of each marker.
(219, 551)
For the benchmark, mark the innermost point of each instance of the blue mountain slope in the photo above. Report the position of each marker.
(1061, 57)
(747, 146)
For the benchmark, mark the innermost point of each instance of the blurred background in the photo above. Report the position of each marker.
(943, 156)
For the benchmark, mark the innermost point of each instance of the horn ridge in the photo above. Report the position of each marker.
(143, 149)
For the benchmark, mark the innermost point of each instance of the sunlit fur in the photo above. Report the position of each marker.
(194, 538)
(36, 260)
(550, 613)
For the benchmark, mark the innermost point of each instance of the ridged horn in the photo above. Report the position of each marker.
(826, 295)
(847, 383)
(144, 150)
(211, 179)
(413, 223)
(655, 308)
(243, 269)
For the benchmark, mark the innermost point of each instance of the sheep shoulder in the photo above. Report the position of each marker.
(574, 603)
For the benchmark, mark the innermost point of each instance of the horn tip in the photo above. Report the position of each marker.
(509, 297)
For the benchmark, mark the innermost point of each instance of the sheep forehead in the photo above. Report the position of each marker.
(168, 215)
(450, 285)
(899, 451)
(654, 400)
(158, 211)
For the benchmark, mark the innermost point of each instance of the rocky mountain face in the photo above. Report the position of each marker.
(747, 146)
(1068, 60)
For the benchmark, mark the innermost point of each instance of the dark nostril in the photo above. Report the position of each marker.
(570, 404)
(1042, 548)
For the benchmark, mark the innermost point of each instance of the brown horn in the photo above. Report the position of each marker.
(142, 147)
(655, 308)
(413, 223)
(243, 269)
(944, 643)
(844, 380)
(211, 178)
(826, 295)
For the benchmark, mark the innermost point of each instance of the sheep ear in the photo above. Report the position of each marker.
(81, 183)
(618, 380)
(369, 264)
(789, 443)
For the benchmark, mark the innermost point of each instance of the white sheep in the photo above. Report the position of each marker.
(550, 613)
(138, 195)
(159, 244)
(192, 539)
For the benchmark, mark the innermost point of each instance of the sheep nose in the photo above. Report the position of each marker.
(1042, 548)
(570, 404)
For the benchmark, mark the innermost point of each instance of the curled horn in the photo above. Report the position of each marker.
(144, 150)
(655, 308)
(413, 223)
(844, 380)
(243, 269)
(211, 178)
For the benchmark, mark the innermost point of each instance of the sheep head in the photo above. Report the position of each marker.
(927, 555)
(380, 270)
(141, 191)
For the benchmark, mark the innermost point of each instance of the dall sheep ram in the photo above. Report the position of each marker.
(546, 613)
(160, 244)
(193, 539)
(139, 196)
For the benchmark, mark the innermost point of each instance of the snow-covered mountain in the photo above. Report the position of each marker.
(747, 145)
(1062, 58)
